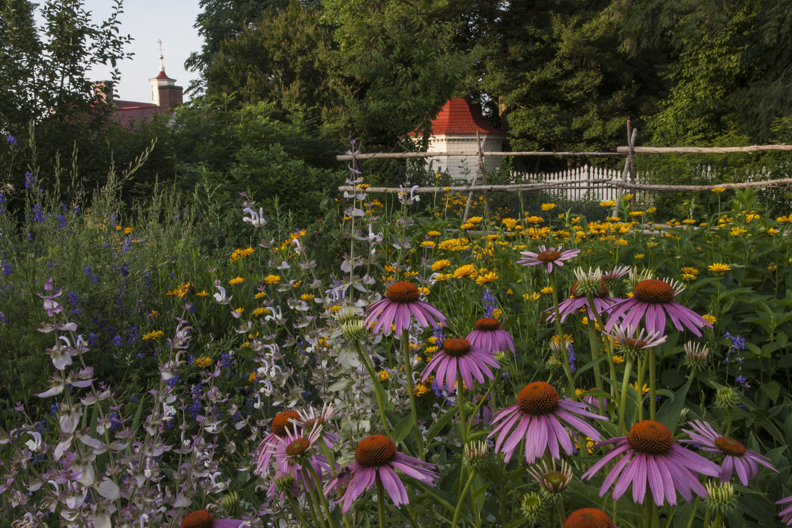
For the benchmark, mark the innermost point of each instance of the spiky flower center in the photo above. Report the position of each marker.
(555, 481)
(597, 290)
(403, 292)
(375, 451)
(480, 397)
(651, 438)
(730, 446)
(654, 291)
(487, 324)
(298, 447)
(282, 421)
(635, 343)
(588, 518)
(538, 398)
(551, 255)
(456, 347)
(198, 519)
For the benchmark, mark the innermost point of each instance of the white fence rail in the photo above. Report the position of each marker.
(580, 187)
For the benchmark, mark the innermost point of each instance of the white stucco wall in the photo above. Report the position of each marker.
(464, 166)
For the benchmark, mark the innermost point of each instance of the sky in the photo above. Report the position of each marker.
(146, 21)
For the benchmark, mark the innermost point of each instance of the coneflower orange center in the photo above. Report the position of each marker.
(551, 255)
(487, 324)
(282, 421)
(374, 451)
(198, 519)
(480, 397)
(538, 398)
(403, 292)
(654, 291)
(651, 438)
(456, 347)
(730, 446)
(298, 447)
(588, 518)
(635, 343)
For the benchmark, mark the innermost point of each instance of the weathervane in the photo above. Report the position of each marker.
(162, 65)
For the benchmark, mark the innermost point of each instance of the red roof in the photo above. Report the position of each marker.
(162, 75)
(460, 116)
(130, 113)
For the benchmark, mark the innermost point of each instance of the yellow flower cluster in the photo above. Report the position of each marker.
(179, 292)
(239, 254)
(236, 281)
(272, 279)
(154, 334)
(202, 362)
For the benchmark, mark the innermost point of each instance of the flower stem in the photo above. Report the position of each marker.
(319, 493)
(380, 502)
(717, 521)
(652, 384)
(462, 497)
(609, 354)
(594, 343)
(561, 515)
(625, 385)
(461, 402)
(296, 508)
(411, 392)
(693, 513)
(377, 395)
(318, 519)
(728, 422)
(560, 330)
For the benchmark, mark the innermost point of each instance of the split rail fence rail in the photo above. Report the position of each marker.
(604, 184)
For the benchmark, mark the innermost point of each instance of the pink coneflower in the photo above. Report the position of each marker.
(586, 283)
(650, 455)
(537, 417)
(484, 414)
(401, 300)
(786, 513)
(548, 256)
(633, 345)
(654, 299)
(376, 458)
(204, 519)
(293, 455)
(736, 456)
(611, 277)
(458, 355)
(279, 429)
(309, 419)
(487, 334)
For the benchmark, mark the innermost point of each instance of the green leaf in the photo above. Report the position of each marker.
(772, 389)
(403, 429)
(138, 413)
(439, 424)
(671, 410)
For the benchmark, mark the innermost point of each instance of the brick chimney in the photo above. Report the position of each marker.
(103, 91)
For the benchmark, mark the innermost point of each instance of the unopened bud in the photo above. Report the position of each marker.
(353, 330)
(475, 453)
(531, 507)
(345, 315)
(720, 497)
(230, 504)
(696, 356)
(284, 482)
(725, 398)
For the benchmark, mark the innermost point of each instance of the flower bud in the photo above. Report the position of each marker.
(531, 507)
(720, 497)
(696, 356)
(285, 482)
(353, 330)
(726, 398)
(230, 504)
(345, 315)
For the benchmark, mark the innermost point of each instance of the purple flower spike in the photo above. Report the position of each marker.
(376, 459)
(654, 299)
(487, 334)
(458, 355)
(537, 419)
(736, 456)
(648, 454)
(393, 312)
(548, 256)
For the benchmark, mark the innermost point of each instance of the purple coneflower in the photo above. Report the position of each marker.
(293, 456)
(487, 334)
(548, 256)
(612, 277)
(651, 455)
(376, 458)
(631, 345)
(484, 415)
(401, 300)
(279, 430)
(736, 456)
(537, 417)
(204, 519)
(459, 356)
(654, 299)
(786, 513)
(586, 283)
(309, 419)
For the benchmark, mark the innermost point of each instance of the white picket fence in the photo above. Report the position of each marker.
(577, 187)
